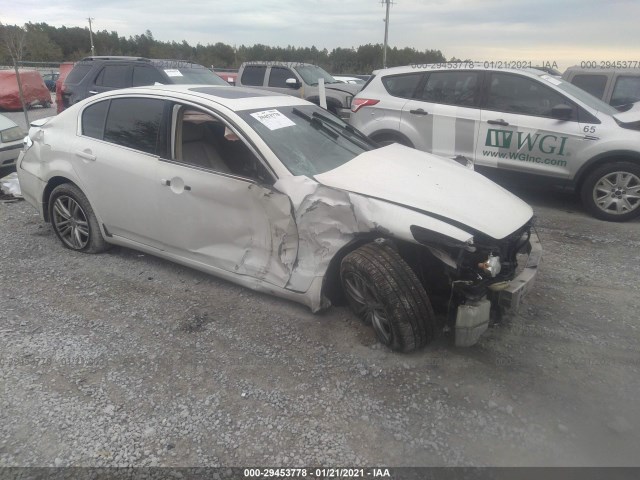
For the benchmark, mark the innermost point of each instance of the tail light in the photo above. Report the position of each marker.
(358, 103)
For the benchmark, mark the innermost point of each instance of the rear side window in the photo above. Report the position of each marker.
(134, 123)
(403, 86)
(253, 75)
(451, 88)
(93, 119)
(146, 76)
(278, 77)
(78, 72)
(594, 84)
(626, 90)
(114, 76)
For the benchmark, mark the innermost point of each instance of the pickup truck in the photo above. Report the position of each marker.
(300, 80)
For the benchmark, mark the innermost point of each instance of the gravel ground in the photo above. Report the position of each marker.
(123, 359)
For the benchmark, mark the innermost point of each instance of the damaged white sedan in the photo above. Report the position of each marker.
(274, 193)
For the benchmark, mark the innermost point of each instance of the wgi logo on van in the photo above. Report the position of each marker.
(549, 144)
(499, 138)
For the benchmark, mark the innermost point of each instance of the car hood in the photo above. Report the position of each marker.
(630, 116)
(434, 185)
(349, 88)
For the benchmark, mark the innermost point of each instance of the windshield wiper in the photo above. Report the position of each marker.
(316, 123)
(363, 141)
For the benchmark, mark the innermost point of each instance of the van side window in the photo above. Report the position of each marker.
(512, 93)
(451, 88)
(254, 75)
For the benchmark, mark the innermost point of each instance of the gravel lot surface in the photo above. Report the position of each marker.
(125, 359)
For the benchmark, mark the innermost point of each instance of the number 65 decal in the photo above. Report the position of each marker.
(589, 129)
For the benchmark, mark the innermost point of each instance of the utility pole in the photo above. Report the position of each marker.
(386, 33)
(93, 50)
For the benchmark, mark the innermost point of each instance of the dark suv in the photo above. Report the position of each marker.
(93, 75)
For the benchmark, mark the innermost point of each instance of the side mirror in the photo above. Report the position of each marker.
(292, 83)
(562, 112)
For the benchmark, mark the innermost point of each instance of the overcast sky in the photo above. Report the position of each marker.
(562, 31)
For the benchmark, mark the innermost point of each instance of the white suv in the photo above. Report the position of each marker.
(521, 121)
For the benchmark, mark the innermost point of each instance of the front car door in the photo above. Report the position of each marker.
(518, 131)
(444, 113)
(217, 206)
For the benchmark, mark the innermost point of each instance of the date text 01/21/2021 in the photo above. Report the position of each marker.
(316, 472)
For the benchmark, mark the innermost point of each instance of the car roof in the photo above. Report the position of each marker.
(6, 123)
(271, 63)
(234, 98)
(434, 67)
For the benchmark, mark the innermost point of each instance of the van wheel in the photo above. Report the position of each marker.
(612, 192)
(73, 220)
(384, 292)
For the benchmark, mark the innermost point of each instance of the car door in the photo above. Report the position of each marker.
(518, 130)
(444, 113)
(277, 82)
(116, 158)
(110, 77)
(217, 207)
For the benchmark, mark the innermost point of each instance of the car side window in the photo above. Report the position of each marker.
(451, 88)
(203, 140)
(403, 86)
(253, 75)
(278, 77)
(93, 119)
(146, 76)
(512, 93)
(114, 76)
(626, 90)
(134, 123)
(594, 84)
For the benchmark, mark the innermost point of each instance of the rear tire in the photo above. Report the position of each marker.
(384, 292)
(612, 192)
(73, 220)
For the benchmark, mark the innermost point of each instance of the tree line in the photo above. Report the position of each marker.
(45, 43)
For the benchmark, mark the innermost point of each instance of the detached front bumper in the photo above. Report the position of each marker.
(472, 319)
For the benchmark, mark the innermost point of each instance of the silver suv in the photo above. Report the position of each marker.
(520, 121)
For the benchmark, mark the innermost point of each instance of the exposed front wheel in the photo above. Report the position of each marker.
(383, 291)
(612, 192)
(73, 220)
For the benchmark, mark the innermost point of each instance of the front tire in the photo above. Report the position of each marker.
(384, 292)
(73, 220)
(612, 192)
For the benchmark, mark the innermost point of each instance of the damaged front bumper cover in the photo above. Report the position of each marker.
(472, 319)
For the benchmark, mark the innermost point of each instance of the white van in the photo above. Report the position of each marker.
(519, 120)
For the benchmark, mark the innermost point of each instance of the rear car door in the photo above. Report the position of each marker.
(110, 77)
(217, 206)
(444, 113)
(116, 158)
(518, 131)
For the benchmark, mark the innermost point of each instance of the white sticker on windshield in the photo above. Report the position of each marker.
(551, 80)
(272, 119)
(172, 72)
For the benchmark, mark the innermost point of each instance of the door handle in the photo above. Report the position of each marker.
(86, 154)
(498, 122)
(419, 111)
(166, 183)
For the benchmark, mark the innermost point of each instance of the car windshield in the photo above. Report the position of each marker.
(584, 96)
(307, 139)
(310, 74)
(196, 75)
